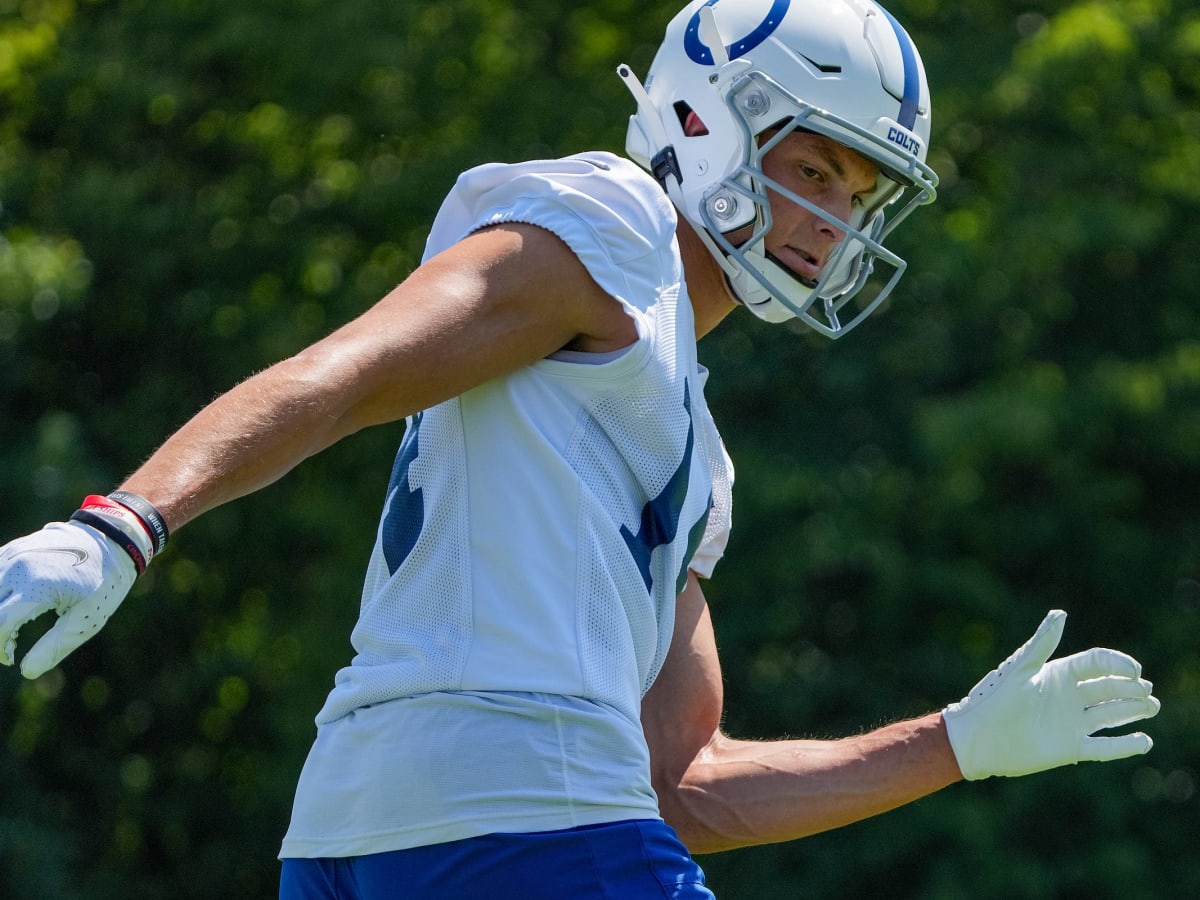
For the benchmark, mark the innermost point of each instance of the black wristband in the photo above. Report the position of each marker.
(114, 532)
(151, 517)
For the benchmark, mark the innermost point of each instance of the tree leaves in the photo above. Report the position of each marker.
(191, 190)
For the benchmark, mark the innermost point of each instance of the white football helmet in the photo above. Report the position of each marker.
(845, 69)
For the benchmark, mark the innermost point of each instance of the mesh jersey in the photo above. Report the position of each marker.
(535, 533)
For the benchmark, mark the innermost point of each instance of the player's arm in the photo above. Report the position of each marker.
(1026, 716)
(720, 793)
(499, 300)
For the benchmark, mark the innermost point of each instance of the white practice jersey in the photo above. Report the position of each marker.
(520, 596)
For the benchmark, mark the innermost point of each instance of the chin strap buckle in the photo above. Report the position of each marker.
(664, 164)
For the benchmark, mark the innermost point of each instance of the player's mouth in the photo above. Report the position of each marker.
(801, 264)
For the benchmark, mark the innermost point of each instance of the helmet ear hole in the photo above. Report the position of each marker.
(694, 126)
(690, 121)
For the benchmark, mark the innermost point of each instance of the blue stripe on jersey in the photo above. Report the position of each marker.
(660, 517)
(912, 77)
(404, 510)
(695, 536)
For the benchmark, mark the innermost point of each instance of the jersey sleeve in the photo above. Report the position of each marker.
(611, 214)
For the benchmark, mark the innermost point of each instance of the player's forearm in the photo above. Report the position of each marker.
(743, 793)
(244, 440)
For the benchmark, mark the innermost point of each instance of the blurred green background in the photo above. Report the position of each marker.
(192, 189)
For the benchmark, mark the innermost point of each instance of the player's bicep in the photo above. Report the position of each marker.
(681, 713)
(500, 299)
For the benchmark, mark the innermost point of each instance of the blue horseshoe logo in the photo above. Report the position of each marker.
(699, 52)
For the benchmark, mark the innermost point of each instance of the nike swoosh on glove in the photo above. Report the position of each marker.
(67, 568)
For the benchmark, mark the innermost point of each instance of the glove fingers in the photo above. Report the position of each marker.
(1106, 749)
(73, 627)
(1100, 661)
(1116, 713)
(49, 651)
(9, 626)
(1032, 655)
(1113, 687)
(15, 612)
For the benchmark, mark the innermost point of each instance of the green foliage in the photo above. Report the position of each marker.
(192, 189)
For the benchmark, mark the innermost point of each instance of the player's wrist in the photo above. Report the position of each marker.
(150, 518)
(140, 532)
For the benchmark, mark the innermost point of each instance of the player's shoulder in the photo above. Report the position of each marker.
(616, 198)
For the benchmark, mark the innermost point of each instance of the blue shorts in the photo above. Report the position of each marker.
(634, 860)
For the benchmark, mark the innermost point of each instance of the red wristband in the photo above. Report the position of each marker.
(95, 501)
(120, 524)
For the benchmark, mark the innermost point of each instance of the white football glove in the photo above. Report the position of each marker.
(66, 567)
(1029, 714)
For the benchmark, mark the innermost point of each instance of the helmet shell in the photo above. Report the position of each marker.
(842, 68)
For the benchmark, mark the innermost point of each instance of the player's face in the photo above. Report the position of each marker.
(828, 175)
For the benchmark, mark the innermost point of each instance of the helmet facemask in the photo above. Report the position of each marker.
(743, 200)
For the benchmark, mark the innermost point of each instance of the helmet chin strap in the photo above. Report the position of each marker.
(664, 164)
(743, 287)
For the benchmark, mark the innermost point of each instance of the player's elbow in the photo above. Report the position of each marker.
(691, 805)
(685, 815)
